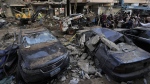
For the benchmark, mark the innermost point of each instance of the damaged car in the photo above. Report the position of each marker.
(115, 54)
(41, 56)
(8, 55)
(138, 36)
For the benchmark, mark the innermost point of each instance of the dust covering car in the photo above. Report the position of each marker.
(41, 56)
(115, 54)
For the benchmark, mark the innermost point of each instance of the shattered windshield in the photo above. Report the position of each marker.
(36, 38)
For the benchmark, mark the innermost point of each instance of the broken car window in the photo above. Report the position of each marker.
(36, 38)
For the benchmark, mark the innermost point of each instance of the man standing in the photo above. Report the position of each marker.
(40, 18)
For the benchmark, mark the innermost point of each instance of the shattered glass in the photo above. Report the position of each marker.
(36, 38)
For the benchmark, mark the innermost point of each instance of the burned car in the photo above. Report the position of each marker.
(115, 54)
(140, 37)
(41, 56)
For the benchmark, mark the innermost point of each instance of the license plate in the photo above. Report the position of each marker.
(54, 72)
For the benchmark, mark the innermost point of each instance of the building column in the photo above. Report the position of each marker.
(66, 11)
(68, 7)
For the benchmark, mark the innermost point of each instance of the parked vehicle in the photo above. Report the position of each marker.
(115, 54)
(140, 37)
(8, 61)
(8, 54)
(41, 56)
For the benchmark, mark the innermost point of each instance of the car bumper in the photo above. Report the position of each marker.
(128, 76)
(30, 76)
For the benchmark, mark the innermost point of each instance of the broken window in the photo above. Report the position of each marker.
(35, 38)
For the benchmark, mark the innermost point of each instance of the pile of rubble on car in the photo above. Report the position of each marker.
(46, 55)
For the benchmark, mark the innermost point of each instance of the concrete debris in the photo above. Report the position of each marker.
(91, 70)
(77, 56)
(94, 40)
(89, 45)
(74, 81)
(2, 20)
(89, 57)
(107, 77)
(87, 76)
(75, 75)
(57, 18)
(82, 40)
(74, 71)
(109, 43)
(98, 74)
(63, 78)
(84, 65)
(84, 56)
(72, 59)
(91, 62)
(71, 47)
(75, 52)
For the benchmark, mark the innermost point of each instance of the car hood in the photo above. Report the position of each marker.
(129, 54)
(108, 33)
(43, 54)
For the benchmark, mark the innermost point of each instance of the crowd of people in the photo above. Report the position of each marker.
(120, 20)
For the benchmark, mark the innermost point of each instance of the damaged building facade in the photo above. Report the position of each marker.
(11, 6)
(60, 6)
(102, 6)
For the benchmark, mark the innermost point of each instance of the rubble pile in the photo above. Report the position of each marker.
(81, 65)
(81, 69)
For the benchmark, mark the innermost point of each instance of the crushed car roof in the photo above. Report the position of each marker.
(109, 34)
